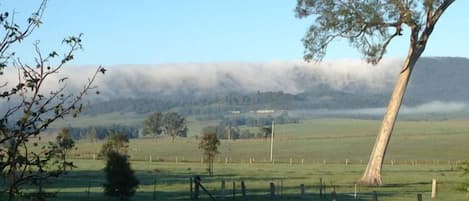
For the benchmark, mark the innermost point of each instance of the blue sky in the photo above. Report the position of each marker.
(169, 31)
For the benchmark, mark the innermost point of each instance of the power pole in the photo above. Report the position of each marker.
(272, 141)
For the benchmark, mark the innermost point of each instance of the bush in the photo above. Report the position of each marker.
(121, 181)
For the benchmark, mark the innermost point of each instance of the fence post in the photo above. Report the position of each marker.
(375, 196)
(191, 188)
(88, 193)
(320, 187)
(223, 189)
(154, 189)
(334, 195)
(197, 185)
(291, 161)
(302, 161)
(302, 192)
(419, 197)
(281, 188)
(243, 191)
(433, 188)
(355, 192)
(234, 190)
(346, 162)
(272, 191)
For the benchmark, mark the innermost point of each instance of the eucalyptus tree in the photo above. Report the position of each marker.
(370, 26)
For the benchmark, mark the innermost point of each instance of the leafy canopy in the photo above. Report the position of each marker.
(368, 25)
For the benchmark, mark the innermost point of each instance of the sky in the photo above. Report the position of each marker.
(200, 31)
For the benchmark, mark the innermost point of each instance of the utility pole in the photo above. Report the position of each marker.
(272, 141)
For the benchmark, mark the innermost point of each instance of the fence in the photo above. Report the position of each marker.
(275, 191)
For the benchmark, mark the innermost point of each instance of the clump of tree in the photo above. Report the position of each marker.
(94, 133)
(116, 142)
(283, 118)
(121, 181)
(171, 124)
(209, 145)
(370, 26)
(32, 105)
(228, 132)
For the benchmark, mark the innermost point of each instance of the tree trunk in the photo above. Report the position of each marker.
(372, 175)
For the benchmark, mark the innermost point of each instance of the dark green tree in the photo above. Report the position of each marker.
(153, 125)
(121, 181)
(209, 145)
(370, 26)
(175, 125)
(172, 124)
(116, 142)
(31, 106)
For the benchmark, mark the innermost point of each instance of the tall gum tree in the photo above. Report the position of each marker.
(370, 26)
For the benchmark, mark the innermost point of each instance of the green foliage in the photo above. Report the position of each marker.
(115, 143)
(62, 145)
(121, 181)
(209, 143)
(368, 26)
(153, 125)
(31, 107)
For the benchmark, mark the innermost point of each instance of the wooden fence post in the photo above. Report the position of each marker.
(433, 188)
(154, 189)
(355, 192)
(234, 190)
(272, 191)
(334, 195)
(302, 192)
(223, 189)
(197, 186)
(191, 188)
(320, 187)
(291, 161)
(243, 191)
(419, 197)
(88, 192)
(281, 188)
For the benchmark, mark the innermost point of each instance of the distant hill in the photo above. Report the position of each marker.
(287, 86)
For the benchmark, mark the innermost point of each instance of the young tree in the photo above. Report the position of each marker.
(117, 142)
(121, 181)
(209, 145)
(63, 144)
(370, 26)
(32, 104)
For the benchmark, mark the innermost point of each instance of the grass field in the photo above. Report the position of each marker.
(420, 151)
(403, 182)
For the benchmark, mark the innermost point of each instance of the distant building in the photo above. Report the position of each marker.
(235, 112)
(265, 111)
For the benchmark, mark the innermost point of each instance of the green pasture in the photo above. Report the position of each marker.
(419, 151)
(312, 141)
(171, 181)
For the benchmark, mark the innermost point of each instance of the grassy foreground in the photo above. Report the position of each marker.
(419, 151)
(171, 181)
